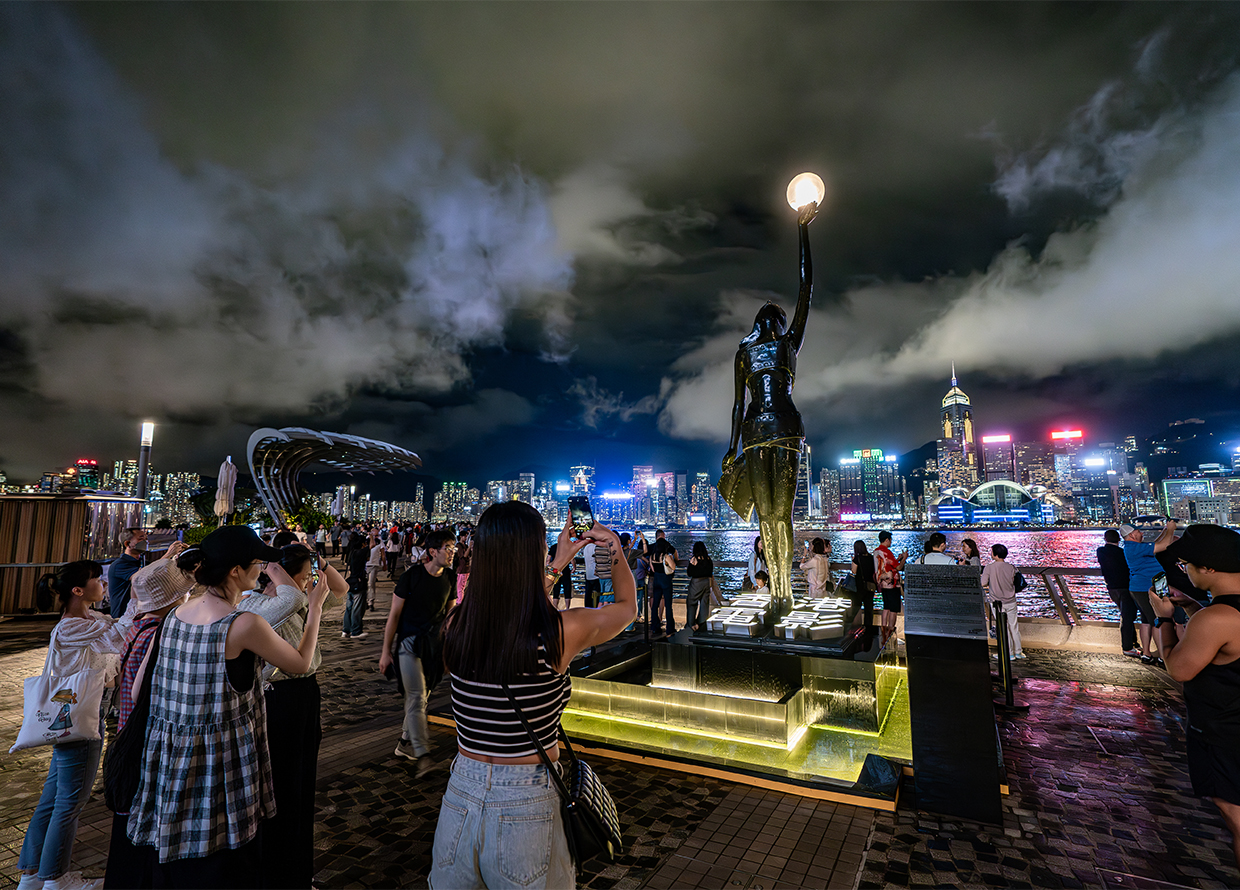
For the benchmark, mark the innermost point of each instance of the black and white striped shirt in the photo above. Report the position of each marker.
(486, 723)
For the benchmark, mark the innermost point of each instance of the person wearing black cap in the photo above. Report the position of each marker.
(205, 787)
(1207, 661)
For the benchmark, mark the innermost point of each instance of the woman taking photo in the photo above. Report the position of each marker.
(700, 571)
(83, 639)
(205, 788)
(817, 567)
(500, 822)
(757, 563)
(293, 703)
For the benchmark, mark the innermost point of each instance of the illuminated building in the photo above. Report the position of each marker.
(801, 502)
(125, 476)
(583, 479)
(870, 486)
(451, 501)
(525, 488)
(87, 473)
(956, 421)
(829, 493)
(1176, 490)
(998, 458)
(1091, 488)
(1035, 464)
(1001, 502)
(1214, 510)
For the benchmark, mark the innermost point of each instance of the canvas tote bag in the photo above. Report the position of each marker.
(60, 709)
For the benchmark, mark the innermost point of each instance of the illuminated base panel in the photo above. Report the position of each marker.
(810, 720)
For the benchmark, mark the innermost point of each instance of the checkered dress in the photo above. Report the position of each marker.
(206, 775)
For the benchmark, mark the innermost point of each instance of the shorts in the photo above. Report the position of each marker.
(1214, 770)
(891, 600)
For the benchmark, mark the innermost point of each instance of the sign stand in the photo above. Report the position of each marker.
(957, 760)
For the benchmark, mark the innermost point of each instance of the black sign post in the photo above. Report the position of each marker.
(957, 761)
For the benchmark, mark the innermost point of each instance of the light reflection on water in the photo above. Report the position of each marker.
(1065, 548)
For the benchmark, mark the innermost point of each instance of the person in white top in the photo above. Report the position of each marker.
(817, 566)
(392, 551)
(999, 578)
(937, 555)
(82, 639)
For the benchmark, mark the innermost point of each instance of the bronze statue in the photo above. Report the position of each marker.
(764, 475)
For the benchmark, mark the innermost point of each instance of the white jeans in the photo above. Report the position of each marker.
(1013, 625)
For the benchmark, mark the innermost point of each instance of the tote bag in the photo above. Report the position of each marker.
(60, 709)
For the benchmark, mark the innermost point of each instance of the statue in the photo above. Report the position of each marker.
(770, 433)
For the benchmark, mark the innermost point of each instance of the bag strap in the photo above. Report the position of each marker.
(542, 754)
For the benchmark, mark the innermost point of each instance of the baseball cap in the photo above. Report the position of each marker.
(1125, 530)
(236, 545)
(1209, 546)
(160, 584)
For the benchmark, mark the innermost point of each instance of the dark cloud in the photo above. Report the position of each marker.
(516, 234)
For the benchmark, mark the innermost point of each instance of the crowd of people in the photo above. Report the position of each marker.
(210, 657)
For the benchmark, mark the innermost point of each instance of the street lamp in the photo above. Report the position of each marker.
(806, 188)
(144, 457)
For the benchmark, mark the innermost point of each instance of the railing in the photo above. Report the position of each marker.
(1053, 580)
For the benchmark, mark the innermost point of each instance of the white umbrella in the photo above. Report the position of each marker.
(338, 504)
(224, 486)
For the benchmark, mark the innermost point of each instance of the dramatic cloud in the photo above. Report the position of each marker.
(138, 287)
(598, 404)
(1158, 272)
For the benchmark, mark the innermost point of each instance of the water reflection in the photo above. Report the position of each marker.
(1066, 548)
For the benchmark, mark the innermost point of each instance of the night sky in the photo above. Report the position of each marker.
(511, 236)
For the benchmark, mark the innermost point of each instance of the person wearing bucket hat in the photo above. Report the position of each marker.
(1206, 659)
(206, 786)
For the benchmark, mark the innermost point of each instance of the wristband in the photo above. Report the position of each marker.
(551, 572)
(1160, 621)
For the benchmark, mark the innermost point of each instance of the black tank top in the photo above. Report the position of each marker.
(1213, 696)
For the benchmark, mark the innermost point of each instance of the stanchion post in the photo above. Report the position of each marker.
(1005, 663)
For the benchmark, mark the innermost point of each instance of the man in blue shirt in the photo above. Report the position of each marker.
(1142, 567)
(123, 569)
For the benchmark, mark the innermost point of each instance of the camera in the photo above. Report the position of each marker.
(582, 515)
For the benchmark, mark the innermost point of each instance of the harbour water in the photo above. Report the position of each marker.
(1073, 548)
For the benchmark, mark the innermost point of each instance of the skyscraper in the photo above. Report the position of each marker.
(870, 486)
(956, 421)
(583, 479)
(802, 501)
(998, 458)
(830, 493)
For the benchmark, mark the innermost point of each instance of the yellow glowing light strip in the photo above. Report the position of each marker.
(891, 704)
(664, 727)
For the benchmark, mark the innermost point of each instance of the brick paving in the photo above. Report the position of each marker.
(1100, 796)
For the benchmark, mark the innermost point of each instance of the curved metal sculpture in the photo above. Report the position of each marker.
(278, 457)
(770, 433)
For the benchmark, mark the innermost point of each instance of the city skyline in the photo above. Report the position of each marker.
(353, 229)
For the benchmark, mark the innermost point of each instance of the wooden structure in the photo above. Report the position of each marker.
(41, 531)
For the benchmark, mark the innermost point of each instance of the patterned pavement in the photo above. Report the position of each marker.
(1099, 796)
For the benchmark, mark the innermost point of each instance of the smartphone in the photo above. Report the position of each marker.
(1160, 585)
(582, 515)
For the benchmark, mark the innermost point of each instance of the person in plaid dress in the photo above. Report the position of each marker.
(206, 784)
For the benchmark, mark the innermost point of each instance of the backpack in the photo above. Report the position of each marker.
(1018, 582)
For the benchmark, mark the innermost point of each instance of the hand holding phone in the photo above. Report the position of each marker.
(1161, 587)
(581, 514)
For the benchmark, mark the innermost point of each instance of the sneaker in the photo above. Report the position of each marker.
(1148, 659)
(1020, 655)
(1133, 653)
(344, 635)
(71, 880)
(30, 882)
(425, 765)
(360, 636)
(404, 748)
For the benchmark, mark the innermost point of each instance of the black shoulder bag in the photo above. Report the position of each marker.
(591, 824)
(122, 768)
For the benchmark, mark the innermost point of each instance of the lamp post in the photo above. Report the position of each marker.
(144, 457)
(806, 188)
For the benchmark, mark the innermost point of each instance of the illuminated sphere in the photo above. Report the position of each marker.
(806, 188)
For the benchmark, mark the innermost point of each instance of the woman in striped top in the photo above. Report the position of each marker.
(499, 824)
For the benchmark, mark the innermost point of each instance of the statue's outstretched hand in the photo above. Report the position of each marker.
(807, 213)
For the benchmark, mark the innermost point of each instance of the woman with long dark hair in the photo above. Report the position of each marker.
(757, 562)
(500, 822)
(82, 639)
(863, 577)
(700, 570)
(293, 701)
(205, 788)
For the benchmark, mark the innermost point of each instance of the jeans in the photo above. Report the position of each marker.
(414, 681)
(294, 734)
(1127, 633)
(661, 593)
(354, 609)
(49, 838)
(500, 827)
(391, 561)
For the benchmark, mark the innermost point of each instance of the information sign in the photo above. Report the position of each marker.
(944, 601)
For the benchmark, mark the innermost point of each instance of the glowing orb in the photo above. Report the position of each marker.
(806, 188)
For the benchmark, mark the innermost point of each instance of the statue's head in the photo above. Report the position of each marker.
(770, 320)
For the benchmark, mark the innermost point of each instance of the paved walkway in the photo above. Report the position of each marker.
(1099, 796)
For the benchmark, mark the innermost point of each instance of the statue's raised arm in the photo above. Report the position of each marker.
(796, 330)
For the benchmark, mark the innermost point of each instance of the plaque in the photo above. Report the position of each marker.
(944, 601)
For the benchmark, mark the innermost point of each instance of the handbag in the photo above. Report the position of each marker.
(591, 824)
(716, 595)
(122, 767)
(60, 709)
(669, 563)
(849, 582)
